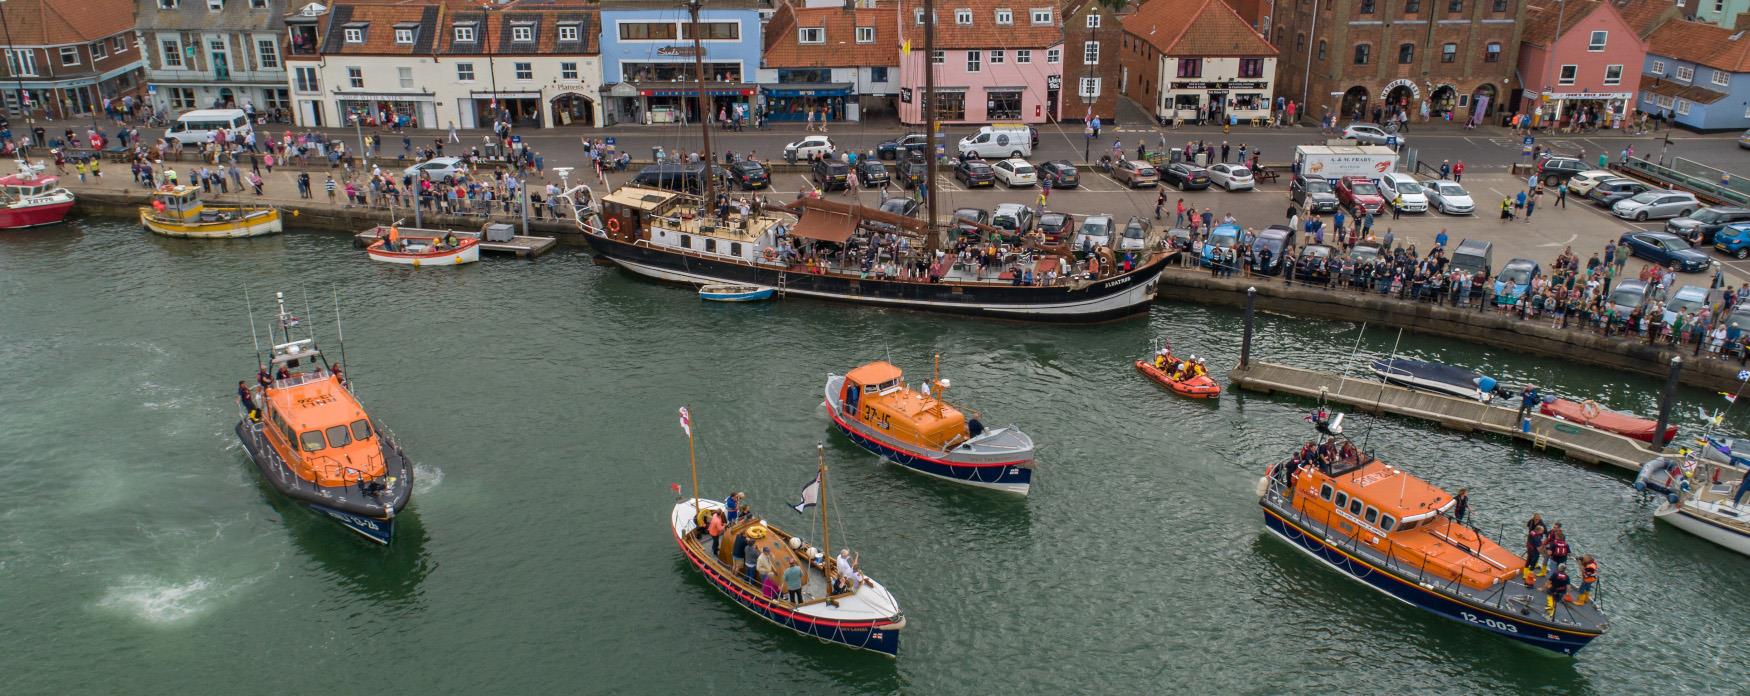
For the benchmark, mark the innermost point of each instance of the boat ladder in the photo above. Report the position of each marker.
(783, 278)
(1540, 439)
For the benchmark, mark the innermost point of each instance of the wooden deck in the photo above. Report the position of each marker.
(1373, 396)
(526, 247)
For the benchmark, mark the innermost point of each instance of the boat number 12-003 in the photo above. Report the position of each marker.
(1491, 623)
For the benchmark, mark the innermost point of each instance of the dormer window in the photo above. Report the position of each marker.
(465, 33)
(811, 35)
(522, 33)
(353, 35)
(1005, 16)
(865, 35)
(215, 5)
(963, 17)
(1042, 15)
(404, 36)
(568, 32)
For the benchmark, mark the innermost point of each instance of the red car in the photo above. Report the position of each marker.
(1359, 194)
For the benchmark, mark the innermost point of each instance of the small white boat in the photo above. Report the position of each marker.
(423, 248)
(735, 293)
(1710, 513)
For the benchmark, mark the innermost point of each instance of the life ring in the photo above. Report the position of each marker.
(613, 224)
(1589, 408)
(703, 517)
(769, 254)
(756, 532)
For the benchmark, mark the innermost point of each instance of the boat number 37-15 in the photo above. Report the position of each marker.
(1491, 623)
(872, 417)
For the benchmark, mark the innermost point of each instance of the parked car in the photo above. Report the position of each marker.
(1369, 134)
(1556, 170)
(1449, 198)
(1312, 194)
(1313, 263)
(898, 205)
(1698, 228)
(1474, 256)
(872, 173)
(831, 175)
(1607, 193)
(1095, 232)
(1582, 183)
(908, 143)
(978, 215)
(1744, 140)
(1656, 204)
(912, 171)
(438, 168)
(1734, 240)
(676, 176)
(1015, 173)
(1628, 296)
(750, 175)
(1689, 298)
(810, 147)
(1185, 176)
(1060, 174)
(974, 173)
(1364, 251)
(1359, 194)
(1222, 237)
(1667, 250)
(1515, 279)
(1396, 186)
(1134, 173)
(1267, 251)
(1233, 177)
(1056, 227)
(1014, 217)
(1135, 235)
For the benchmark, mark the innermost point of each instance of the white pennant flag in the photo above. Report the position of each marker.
(810, 495)
(686, 421)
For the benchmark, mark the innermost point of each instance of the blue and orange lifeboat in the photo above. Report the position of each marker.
(920, 431)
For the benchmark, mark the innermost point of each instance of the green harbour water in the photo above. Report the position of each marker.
(141, 554)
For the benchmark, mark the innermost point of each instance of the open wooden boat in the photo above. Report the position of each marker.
(177, 211)
(862, 615)
(1392, 531)
(1198, 386)
(1590, 414)
(423, 247)
(29, 199)
(735, 293)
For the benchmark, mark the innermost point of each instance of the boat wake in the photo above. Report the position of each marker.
(156, 601)
(426, 478)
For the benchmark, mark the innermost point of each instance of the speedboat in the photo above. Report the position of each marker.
(735, 293)
(177, 211)
(313, 442)
(1197, 383)
(29, 199)
(1715, 510)
(1590, 414)
(1393, 532)
(1436, 377)
(416, 247)
(920, 431)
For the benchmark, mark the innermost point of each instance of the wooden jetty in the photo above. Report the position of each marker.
(1468, 415)
(526, 247)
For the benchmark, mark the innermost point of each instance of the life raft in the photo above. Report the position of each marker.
(1196, 387)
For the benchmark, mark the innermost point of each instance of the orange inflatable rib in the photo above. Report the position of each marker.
(1197, 387)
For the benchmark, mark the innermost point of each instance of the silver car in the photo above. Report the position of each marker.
(1369, 134)
(1448, 197)
(1233, 177)
(1656, 204)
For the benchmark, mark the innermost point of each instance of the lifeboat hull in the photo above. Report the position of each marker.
(1606, 420)
(1409, 591)
(468, 251)
(372, 517)
(20, 217)
(854, 625)
(1199, 387)
(1014, 476)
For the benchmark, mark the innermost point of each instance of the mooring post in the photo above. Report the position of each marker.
(1665, 400)
(1246, 338)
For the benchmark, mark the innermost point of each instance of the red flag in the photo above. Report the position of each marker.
(675, 487)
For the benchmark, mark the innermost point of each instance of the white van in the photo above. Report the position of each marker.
(199, 126)
(999, 142)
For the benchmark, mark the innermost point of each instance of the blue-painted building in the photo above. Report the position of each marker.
(647, 59)
(1698, 76)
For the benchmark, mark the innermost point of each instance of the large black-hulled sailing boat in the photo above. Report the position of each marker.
(838, 251)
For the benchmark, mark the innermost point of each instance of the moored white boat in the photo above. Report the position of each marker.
(430, 249)
(1713, 510)
(735, 293)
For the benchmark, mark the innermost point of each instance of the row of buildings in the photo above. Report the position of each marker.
(546, 63)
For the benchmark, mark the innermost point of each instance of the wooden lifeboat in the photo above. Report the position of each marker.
(423, 248)
(1197, 386)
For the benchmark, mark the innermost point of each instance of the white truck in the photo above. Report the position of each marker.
(1333, 162)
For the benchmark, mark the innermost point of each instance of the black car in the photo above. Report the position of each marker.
(871, 173)
(1608, 193)
(1057, 227)
(688, 178)
(1313, 264)
(1558, 170)
(1267, 250)
(1059, 174)
(978, 215)
(974, 173)
(1185, 177)
(912, 172)
(831, 175)
(897, 205)
(750, 175)
(909, 143)
(1699, 227)
(1312, 194)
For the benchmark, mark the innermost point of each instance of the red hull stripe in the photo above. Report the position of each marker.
(835, 418)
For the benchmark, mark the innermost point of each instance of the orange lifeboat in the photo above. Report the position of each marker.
(1193, 383)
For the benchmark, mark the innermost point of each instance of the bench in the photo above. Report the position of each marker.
(1265, 174)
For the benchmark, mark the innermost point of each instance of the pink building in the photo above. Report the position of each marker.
(996, 61)
(1592, 66)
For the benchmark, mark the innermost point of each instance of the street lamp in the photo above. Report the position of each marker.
(491, 67)
(359, 130)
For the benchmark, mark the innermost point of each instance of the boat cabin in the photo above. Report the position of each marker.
(316, 425)
(178, 202)
(29, 188)
(876, 396)
(670, 220)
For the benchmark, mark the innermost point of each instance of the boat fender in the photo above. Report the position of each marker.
(1646, 472)
(613, 224)
(1263, 485)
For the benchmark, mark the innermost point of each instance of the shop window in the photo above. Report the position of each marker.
(1492, 53)
(1568, 75)
(1449, 53)
(524, 71)
(974, 60)
(1363, 54)
(1406, 53)
(464, 72)
(568, 71)
(951, 106)
(355, 76)
(1190, 67)
(181, 98)
(1254, 67)
(1002, 105)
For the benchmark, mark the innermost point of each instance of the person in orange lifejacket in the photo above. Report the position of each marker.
(1588, 578)
(393, 239)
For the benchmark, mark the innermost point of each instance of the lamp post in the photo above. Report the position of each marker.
(491, 67)
(359, 130)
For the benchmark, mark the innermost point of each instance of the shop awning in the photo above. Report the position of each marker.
(807, 89)
(488, 94)
(686, 89)
(825, 225)
(383, 96)
(1694, 93)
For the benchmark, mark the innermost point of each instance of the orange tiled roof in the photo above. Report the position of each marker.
(1702, 44)
(433, 23)
(1202, 28)
(984, 32)
(1541, 18)
(61, 22)
(784, 48)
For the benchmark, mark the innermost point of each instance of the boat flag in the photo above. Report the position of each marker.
(810, 495)
(1730, 398)
(686, 421)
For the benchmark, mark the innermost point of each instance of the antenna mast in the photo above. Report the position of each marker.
(339, 332)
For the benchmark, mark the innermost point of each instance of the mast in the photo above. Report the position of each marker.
(825, 535)
(704, 107)
(693, 463)
(928, 103)
(253, 339)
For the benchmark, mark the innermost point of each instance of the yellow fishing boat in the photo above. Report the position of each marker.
(177, 211)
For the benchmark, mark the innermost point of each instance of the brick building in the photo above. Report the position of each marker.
(1359, 57)
(1197, 61)
(67, 57)
(1092, 34)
